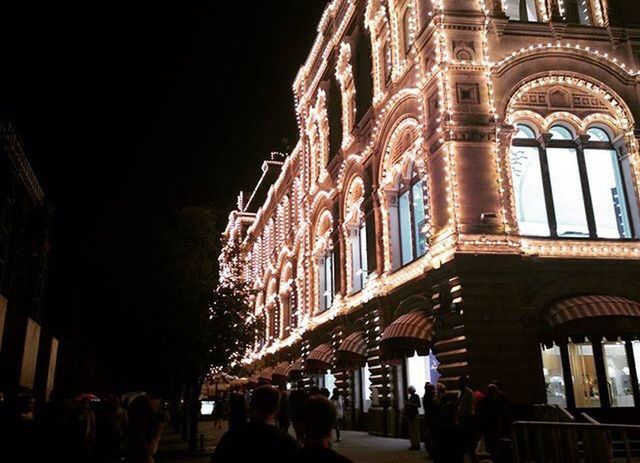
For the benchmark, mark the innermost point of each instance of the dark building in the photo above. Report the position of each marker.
(28, 351)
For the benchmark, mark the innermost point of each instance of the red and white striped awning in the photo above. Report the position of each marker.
(580, 307)
(296, 368)
(352, 352)
(319, 359)
(280, 372)
(253, 379)
(265, 375)
(409, 333)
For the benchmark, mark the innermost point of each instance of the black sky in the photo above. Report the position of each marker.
(127, 111)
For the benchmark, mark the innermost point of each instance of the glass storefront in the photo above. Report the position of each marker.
(601, 373)
(584, 375)
(618, 374)
(553, 376)
(366, 388)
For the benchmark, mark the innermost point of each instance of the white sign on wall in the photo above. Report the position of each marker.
(3, 317)
(30, 356)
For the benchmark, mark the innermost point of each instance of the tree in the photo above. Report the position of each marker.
(207, 313)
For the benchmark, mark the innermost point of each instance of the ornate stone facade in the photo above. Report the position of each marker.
(416, 204)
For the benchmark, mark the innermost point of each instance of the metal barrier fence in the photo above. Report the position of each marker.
(571, 442)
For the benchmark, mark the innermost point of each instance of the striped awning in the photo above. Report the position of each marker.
(409, 333)
(319, 359)
(296, 368)
(280, 372)
(581, 307)
(265, 375)
(352, 352)
(253, 379)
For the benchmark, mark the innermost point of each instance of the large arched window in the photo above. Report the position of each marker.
(326, 262)
(411, 218)
(568, 184)
(326, 279)
(356, 236)
(406, 31)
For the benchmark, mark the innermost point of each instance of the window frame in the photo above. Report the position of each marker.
(408, 188)
(326, 298)
(580, 142)
(597, 344)
(521, 4)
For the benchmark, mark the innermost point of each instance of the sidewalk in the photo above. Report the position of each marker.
(359, 446)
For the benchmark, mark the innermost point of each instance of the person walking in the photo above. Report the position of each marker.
(412, 414)
(218, 411)
(431, 410)
(237, 409)
(494, 414)
(284, 415)
(260, 439)
(83, 429)
(338, 403)
(448, 433)
(298, 399)
(319, 418)
(144, 431)
(466, 418)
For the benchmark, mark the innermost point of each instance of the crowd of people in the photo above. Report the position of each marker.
(456, 422)
(85, 429)
(259, 428)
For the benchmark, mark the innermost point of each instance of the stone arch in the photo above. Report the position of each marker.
(558, 63)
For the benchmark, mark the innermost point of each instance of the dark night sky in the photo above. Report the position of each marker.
(127, 112)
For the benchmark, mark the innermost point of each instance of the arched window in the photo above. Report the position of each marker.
(406, 31)
(387, 60)
(326, 262)
(521, 10)
(411, 218)
(326, 280)
(569, 186)
(356, 230)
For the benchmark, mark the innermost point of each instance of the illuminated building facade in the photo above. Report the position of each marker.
(463, 199)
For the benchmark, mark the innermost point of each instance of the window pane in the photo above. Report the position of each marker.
(418, 374)
(525, 132)
(520, 10)
(583, 374)
(636, 356)
(597, 134)
(363, 255)
(329, 279)
(577, 11)
(405, 228)
(607, 193)
(553, 376)
(356, 255)
(406, 30)
(618, 374)
(419, 218)
(567, 192)
(366, 388)
(559, 132)
(532, 14)
(322, 284)
(528, 191)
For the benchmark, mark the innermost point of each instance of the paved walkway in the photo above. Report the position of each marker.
(359, 446)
